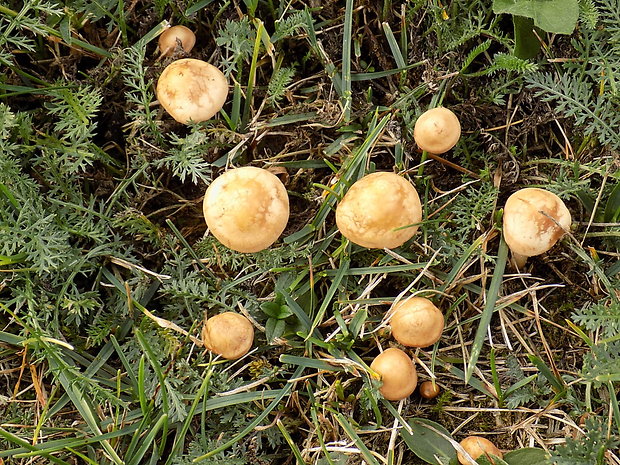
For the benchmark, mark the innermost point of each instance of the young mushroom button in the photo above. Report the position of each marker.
(380, 210)
(246, 209)
(192, 90)
(534, 220)
(398, 373)
(228, 334)
(171, 37)
(416, 322)
(437, 130)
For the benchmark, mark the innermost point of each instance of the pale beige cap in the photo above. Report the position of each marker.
(416, 322)
(246, 209)
(534, 220)
(228, 334)
(375, 207)
(192, 90)
(398, 373)
(437, 130)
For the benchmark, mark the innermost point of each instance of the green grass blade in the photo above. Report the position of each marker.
(491, 297)
(346, 61)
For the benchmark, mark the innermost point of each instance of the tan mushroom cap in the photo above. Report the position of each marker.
(228, 334)
(168, 39)
(375, 206)
(428, 390)
(416, 322)
(477, 446)
(534, 220)
(437, 130)
(192, 90)
(246, 208)
(398, 373)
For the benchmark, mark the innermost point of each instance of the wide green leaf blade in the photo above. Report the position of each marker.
(527, 456)
(426, 440)
(557, 16)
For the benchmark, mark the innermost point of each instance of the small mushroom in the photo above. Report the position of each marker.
(398, 373)
(380, 210)
(246, 208)
(192, 90)
(174, 35)
(534, 220)
(429, 390)
(228, 334)
(477, 446)
(416, 322)
(437, 130)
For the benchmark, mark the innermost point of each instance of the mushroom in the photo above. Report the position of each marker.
(437, 130)
(534, 220)
(397, 372)
(246, 209)
(476, 447)
(174, 35)
(380, 210)
(192, 90)
(416, 322)
(429, 390)
(228, 334)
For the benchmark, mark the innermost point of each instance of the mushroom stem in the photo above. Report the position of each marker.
(519, 260)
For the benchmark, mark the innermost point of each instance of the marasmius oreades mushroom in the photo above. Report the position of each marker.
(192, 90)
(380, 210)
(246, 208)
(437, 130)
(176, 35)
(477, 446)
(416, 322)
(398, 373)
(228, 334)
(534, 220)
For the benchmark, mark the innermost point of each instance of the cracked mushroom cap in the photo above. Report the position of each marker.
(437, 130)
(477, 446)
(168, 39)
(416, 322)
(246, 209)
(192, 90)
(375, 207)
(534, 220)
(398, 373)
(228, 334)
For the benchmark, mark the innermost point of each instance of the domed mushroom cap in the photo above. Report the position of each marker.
(246, 209)
(476, 447)
(416, 322)
(192, 90)
(228, 334)
(168, 39)
(428, 390)
(534, 220)
(398, 373)
(437, 130)
(375, 206)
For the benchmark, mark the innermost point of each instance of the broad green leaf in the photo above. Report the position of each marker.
(483, 460)
(527, 456)
(526, 43)
(427, 441)
(557, 16)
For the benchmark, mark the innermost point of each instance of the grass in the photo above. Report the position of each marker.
(106, 270)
